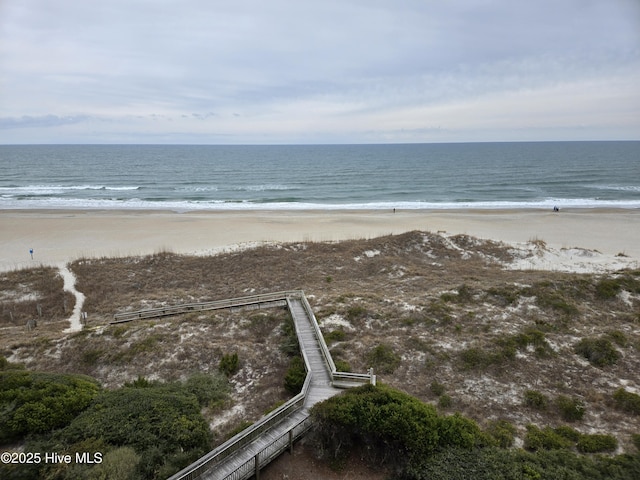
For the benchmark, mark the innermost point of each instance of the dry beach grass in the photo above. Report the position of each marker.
(445, 318)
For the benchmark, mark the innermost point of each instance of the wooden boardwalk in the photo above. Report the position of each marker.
(254, 450)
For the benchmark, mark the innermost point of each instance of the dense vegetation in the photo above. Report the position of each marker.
(411, 439)
(545, 350)
(34, 403)
(142, 430)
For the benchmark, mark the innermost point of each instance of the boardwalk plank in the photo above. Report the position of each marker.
(320, 390)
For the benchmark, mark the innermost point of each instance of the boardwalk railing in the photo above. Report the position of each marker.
(267, 298)
(274, 448)
(249, 434)
(338, 379)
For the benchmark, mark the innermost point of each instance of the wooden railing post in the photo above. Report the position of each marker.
(257, 467)
(291, 441)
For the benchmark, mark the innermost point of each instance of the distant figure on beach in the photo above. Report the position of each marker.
(556, 209)
(31, 253)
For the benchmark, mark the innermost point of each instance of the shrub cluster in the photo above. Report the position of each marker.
(597, 443)
(516, 464)
(154, 428)
(229, 364)
(563, 438)
(161, 421)
(599, 351)
(502, 432)
(535, 399)
(295, 376)
(571, 409)
(390, 425)
(342, 366)
(627, 401)
(395, 430)
(505, 349)
(333, 336)
(35, 403)
(383, 359)
(608, 288)
(547, 438)
(289, 345)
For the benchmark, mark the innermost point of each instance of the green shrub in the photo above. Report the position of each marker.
(289, 345)
(383, 359)
(554, 300)
(118, 464)
(505, 349)
(356, 312)
(618, 337)
(531, 336)
(516, 464)
(211, 390)
(627, 401)
(162, 423)
(571, 409)
(445, 401)
(597, 443)
(608, 288)
(504, 296)
(568, 433)
(635, 439)
(599, 351)
(229, 364)
(475, 358)
(33, 402)
(545, 439)
(342, 366)
(334, 336)
(502, 432)
(389, 425)
(295, 376)
(535, 399)
(437, 388)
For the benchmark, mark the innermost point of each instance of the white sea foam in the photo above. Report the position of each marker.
(326, 177)
(193, 205)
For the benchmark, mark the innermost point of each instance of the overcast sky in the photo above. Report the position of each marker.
(307, 71)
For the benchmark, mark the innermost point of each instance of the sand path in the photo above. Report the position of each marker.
(70, 286)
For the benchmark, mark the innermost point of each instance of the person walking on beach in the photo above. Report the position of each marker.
(31, 253)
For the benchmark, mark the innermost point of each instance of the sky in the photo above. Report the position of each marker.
(307, 71)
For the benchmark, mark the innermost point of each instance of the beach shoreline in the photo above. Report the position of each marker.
(60, 236)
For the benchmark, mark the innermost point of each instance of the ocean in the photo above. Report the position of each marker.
(407, 176)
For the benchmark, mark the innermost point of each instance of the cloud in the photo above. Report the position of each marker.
(43, 121)
(267, 70)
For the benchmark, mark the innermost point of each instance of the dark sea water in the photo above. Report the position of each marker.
(412, 176)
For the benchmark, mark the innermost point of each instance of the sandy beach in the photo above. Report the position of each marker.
(59, 236)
